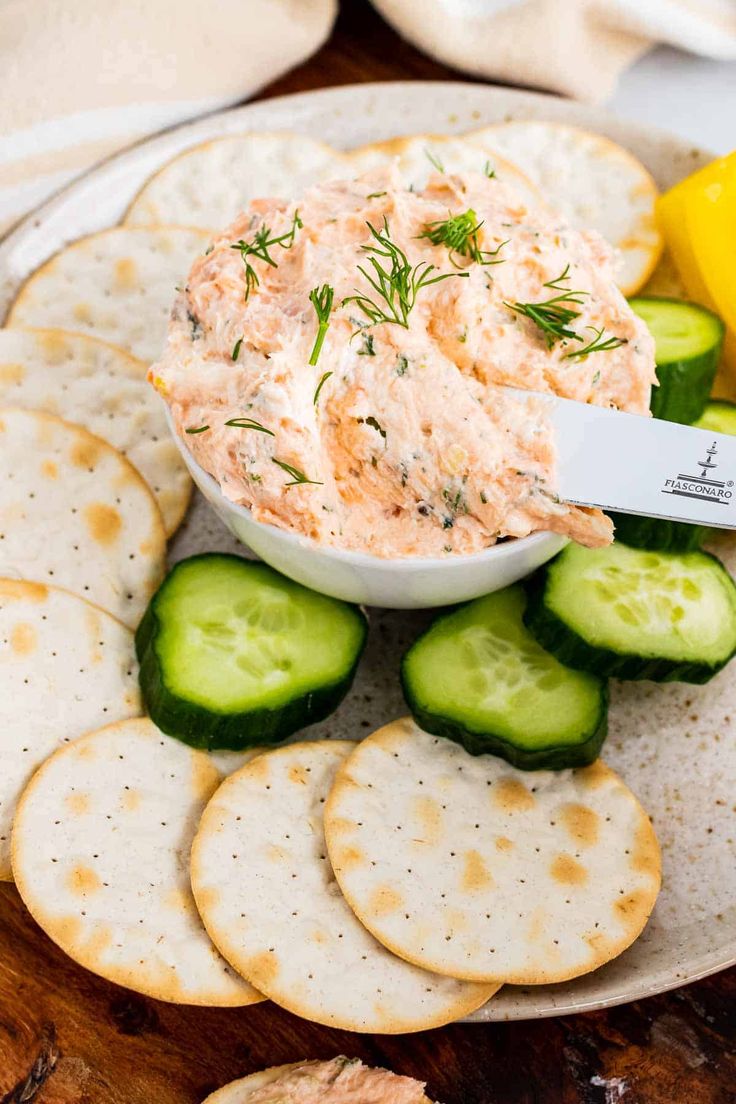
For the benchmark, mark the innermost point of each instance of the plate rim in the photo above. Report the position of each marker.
(220, 122)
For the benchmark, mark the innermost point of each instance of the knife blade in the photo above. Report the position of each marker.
(638, 465)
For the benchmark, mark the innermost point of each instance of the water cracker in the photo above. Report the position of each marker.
(209, 184)
(466, 866)
(418, 156)
(117, 285)
(66, 667)
(593, 182)
(268, 897)
(100, 854)
(104, 389)
(75, 513)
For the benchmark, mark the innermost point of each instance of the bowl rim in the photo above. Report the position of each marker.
(404, 564)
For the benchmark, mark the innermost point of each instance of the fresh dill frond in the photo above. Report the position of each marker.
(197, 429)
(297, 477)
(488, 171)
(558, 280)
(260, 248)
(375, 195)
(460, 234)
(553, 316)
(599, 344)
(249, 423)
(320, 385)
(396, 285)
(321, 300)
(433, 159)
(236, 349)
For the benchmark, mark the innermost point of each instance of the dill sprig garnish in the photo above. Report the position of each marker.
(321, 300)
(599, 344)
(249, 423)
(460, 234)
(396, 286)
(237, 423)
(297, 477)
(433, 159)
(236, 349)
(260, 248)
(320, 385)
(488, 171)
(553, 316)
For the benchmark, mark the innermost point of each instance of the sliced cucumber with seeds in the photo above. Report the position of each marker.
(233, 654)
(688, 340)
(480, 678)
(636, 614)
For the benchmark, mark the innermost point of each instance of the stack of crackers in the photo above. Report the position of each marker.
(385, 886)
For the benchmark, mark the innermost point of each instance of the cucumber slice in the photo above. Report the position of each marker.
(480, 678)
(688, 340)
(658, 534)
(233, 654)
(636, 614)
(720, 416)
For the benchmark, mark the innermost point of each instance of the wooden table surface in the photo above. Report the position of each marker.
(66, 1037)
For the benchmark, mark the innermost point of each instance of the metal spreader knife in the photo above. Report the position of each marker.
(639, 465)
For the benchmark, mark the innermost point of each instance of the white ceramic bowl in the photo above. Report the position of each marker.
(412, 582)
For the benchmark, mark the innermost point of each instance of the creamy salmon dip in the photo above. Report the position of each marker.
(396, 439)
(340, 1081)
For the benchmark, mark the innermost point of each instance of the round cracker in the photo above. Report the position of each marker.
(418, 156)
(209, 184)
(100, 849)
(75, 513)
(65, 667)
(242, 1090)
(268, 898)
(104, 389)
(117, 285)
(466, 866)
(593, 182)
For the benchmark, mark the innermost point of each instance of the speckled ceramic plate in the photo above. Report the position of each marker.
(675, 745)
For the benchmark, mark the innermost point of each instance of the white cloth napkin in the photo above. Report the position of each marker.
(82, 78)
(576, 47)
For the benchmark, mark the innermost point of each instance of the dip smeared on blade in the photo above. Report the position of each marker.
(335, 363)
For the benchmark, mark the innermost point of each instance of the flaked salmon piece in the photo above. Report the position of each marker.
(400, 439)
(340, 1081)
